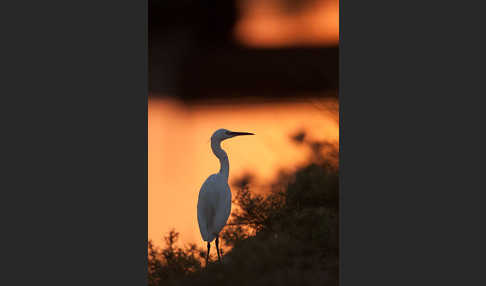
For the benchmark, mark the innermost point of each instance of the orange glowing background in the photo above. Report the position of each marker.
(180, 158)
(271, 23)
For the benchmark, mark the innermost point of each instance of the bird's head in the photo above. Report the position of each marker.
(223, 134)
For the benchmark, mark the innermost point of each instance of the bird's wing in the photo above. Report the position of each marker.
(213, 206)
(223, 208)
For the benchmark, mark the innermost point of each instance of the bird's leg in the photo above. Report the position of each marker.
(217, 247)
(207, 256)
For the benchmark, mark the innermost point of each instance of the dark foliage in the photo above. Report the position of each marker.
(286, 236)
(172, 263)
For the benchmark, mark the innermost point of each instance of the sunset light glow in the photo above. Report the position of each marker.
(180, 158)
(269, 23)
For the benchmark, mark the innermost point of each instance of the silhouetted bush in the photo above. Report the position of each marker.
(287, 235)
(172, 263)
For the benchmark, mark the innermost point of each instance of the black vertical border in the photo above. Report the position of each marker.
(74, 142)
(412, 143)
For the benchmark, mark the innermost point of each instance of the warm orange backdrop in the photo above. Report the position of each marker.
(180, 158)
(272, 23)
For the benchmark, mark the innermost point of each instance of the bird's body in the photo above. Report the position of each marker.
(214, 201)
(214, 206)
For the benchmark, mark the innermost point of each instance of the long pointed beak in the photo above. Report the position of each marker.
(240, 133)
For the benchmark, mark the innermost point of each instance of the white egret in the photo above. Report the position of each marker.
(214, 202)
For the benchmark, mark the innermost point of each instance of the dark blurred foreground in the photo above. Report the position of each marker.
(289, 236)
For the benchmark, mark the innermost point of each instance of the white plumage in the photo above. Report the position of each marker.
(214, 206)
(214, 202)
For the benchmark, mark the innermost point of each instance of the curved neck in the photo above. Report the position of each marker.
(223, 158)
